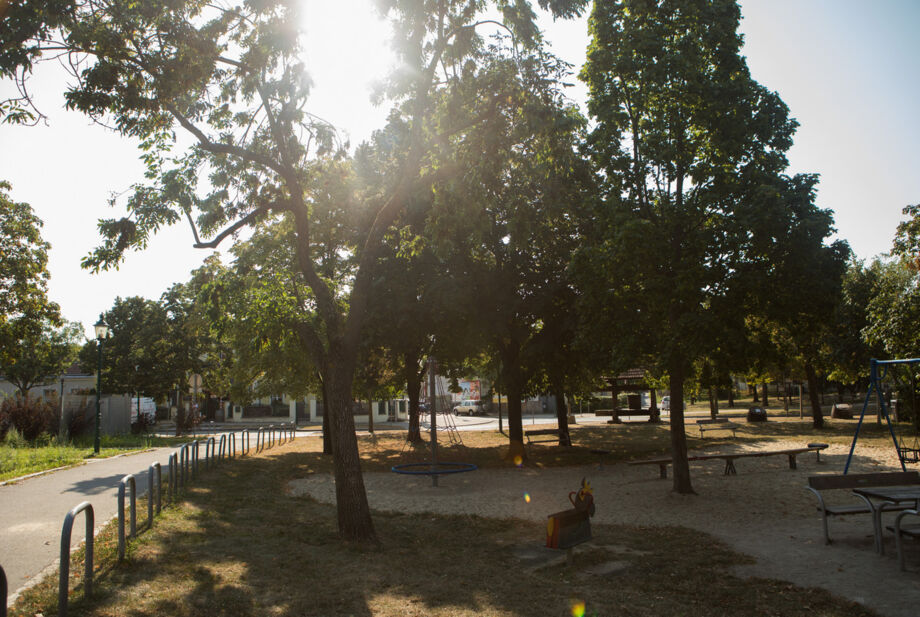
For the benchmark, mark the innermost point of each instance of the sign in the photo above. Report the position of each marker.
(148, 408)
(471, 390)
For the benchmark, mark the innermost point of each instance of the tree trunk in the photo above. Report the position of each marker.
(354, 516)
(327, 434)
(754, 390)
(766, 399)
(713, 401)
(370, 416)
(514, 385)
(414, 387)
(817, 416)
(562, 418)
(731, 396)
(678, 435)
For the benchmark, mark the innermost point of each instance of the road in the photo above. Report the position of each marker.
(32, 511)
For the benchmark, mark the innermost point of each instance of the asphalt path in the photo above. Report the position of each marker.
(32, 510)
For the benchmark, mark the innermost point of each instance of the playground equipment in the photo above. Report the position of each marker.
(906, 453)
(434, 467)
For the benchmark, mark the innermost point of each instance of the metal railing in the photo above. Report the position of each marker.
(182, 467)
(127, 480)
(150, 489)
(63, 587)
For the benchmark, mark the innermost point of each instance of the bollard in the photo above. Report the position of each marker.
(195, 460)
(244, 439)
(65, 556)
(128, 479)
(183, 464)
(159, 490)
(209, 448)
(173, 475)
(222, 446)
(232, 447)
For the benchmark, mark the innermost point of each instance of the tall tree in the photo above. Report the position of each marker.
(42, 355)
(685, 138)
(231, 77)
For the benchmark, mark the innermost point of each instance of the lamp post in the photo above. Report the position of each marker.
(102, 332)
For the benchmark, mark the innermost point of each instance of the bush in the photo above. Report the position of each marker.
(79, 422)
(31, 417)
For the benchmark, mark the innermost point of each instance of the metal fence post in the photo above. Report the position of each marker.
(195, 461)
(172, 475)
(128, 479)
(3, 592)
(159, 489)
(244, 442)
(65, 556)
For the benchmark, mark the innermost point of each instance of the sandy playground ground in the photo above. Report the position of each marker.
(763, 511)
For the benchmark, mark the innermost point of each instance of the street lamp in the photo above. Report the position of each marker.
(102, 332)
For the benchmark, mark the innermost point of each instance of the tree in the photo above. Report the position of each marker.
(41, 356)
(231, 77)
(23, 263)
(686, 140)
(34, 342)
(139, 356)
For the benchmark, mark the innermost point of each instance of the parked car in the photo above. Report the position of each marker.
(665, 403)
(469, 408)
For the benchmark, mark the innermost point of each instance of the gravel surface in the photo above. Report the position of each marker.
(764, 511)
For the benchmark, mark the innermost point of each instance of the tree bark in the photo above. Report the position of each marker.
(713, 401)
(731, 396)
(327, 437)
(678, 435)
(513, 380)
(754, 390)
(414, 387)
(354, 517)
(817, 416)
(562, 418)
(766, 399)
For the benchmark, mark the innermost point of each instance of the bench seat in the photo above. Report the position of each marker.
(549, 432)
(730, 457)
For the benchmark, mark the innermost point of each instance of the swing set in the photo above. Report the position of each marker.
(878, 372)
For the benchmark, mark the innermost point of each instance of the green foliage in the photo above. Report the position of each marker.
(23, 269)
(893, 310)
(39, 353)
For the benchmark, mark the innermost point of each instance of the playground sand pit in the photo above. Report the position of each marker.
(763, 511)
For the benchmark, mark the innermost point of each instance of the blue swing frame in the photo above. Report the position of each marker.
(875, 383)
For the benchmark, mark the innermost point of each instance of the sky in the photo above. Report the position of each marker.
(849, 70)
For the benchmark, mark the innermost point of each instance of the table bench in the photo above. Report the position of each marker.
(900, 529)
(715, 424)
(819, 484)
(730, 458)
(553, 433)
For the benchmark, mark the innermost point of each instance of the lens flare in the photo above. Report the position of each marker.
(527, 497)
(518, 460)
(578, 608)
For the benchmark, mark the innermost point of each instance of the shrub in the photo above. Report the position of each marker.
(14, 439)
(79, 421)
(30, 416)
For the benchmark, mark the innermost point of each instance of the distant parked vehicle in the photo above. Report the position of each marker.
(665, 403)
(469, 408)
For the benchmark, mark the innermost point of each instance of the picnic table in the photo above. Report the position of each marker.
(898, 498)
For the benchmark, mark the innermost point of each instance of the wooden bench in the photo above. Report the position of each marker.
(715, 424)
(730, 457)
(553, 433)
(818, 484)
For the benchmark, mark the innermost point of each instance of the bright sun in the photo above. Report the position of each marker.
(347, 50)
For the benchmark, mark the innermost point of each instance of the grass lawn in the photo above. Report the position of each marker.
(238, 544)
(20, 461)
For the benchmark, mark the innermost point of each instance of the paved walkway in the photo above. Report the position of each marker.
(32, 511)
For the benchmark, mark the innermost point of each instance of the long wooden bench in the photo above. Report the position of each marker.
(730, 457)
(819, 484)
(715, 424)
(553, 432)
